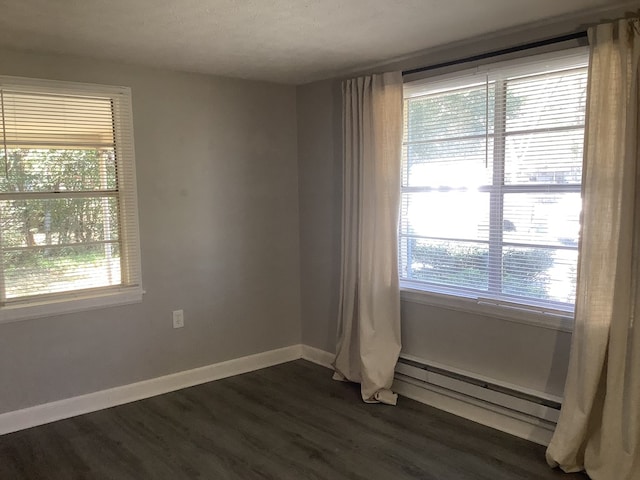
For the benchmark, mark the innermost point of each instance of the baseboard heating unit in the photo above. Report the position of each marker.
(493, 403)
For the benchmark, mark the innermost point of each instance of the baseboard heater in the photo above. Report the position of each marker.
(538, 406)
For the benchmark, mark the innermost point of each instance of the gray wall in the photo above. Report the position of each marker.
(529, 356)
(218, 204)
(320, 200)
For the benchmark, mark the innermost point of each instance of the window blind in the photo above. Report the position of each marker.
(68, 208)
(492, 168)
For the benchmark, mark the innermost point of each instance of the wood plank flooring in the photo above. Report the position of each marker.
(285, 422)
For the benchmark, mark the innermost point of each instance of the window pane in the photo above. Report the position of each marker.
(546, 101)
(60, 269)
(542, 218)
(539, 273)
(454, 113)
(544, 158)
(40, 170)
(451, 215)
(59, 221)
(505, 198)
(454, 264)
(68, 209)
(454, 163)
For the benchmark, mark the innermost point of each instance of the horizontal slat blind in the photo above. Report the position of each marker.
(32, 119)
(492, 166)
(68, 207)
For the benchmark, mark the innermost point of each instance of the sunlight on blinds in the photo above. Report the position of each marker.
(51, 120)
(67, 192)
(491, 181)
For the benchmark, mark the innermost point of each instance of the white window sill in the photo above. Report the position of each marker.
(60, 306)
(538, 318)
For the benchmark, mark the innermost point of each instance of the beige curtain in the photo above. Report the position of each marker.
(369, 316)
(599, 426)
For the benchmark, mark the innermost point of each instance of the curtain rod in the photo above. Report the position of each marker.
(504, 51)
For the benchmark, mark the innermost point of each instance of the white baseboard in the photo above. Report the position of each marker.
(317, 356)
(477, 411)
(71, 407)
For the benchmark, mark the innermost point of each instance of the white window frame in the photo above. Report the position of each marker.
(131, 289)
(453, 298)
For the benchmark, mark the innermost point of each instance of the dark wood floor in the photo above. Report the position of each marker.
(286, 422)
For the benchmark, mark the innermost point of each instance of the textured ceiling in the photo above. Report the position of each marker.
(289, 41)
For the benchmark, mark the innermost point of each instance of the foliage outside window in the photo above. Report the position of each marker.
(492, 169)
(68, 214)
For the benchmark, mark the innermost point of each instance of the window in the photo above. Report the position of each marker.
(492, 169)
(68, 213)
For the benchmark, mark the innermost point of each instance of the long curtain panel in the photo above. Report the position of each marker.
(369, 315)
(599, 426)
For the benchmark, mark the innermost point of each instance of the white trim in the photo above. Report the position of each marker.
(70, 303)
(317, 356)
(484, 413)
(534, 318)
(71, 407)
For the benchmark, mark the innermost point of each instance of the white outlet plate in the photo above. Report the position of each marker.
(178, 319)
